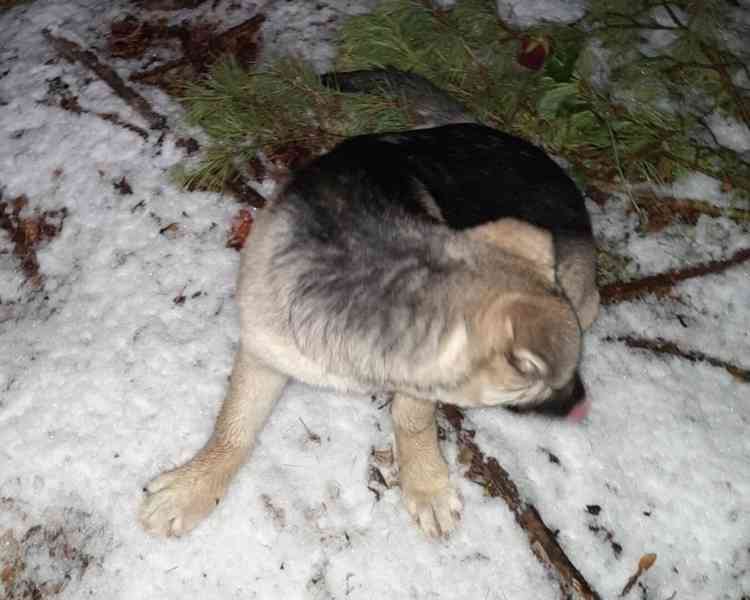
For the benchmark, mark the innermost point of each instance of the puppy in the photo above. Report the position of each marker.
(451, 264)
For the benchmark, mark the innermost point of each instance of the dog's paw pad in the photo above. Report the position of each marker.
(176, 502)
(437, 512)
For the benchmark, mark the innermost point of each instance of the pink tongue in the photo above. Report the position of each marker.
(579, 411)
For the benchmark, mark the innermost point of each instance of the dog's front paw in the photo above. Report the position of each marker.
(178, 500)
(435, 505)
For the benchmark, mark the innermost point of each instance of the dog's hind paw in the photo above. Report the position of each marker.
(437, 511)
(177, 501)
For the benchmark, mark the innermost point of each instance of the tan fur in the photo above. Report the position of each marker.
(178, 500)
(576, 271)
(430, 497)
(473, 361)
(521, 239)
(574, 267)
(509, 337)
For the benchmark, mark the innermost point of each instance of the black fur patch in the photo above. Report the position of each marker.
(561, 402)
(474, 173)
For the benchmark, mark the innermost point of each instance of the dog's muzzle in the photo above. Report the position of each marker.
(569, 401)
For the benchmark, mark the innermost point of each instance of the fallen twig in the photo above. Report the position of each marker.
(662, 211)
(244, 192)
(72, 52)
(119, 121)
(662, 346)
(662, 283)
(487, 472)
(156, 73)
(59, 95)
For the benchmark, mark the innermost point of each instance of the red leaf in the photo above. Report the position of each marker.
(533, 52)
(240, 229)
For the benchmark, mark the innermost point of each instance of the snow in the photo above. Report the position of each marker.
(657, 40)
(309, 29)
(106, 379)
(526, 13)
(698, 186)
(729, 132)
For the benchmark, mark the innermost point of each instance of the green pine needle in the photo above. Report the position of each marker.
(636, 128)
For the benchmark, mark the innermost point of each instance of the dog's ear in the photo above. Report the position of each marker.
(520, 239)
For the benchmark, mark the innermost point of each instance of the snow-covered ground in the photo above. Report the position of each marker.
(116, 369)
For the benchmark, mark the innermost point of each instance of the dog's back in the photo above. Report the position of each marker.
(463, 176)
(476, 174)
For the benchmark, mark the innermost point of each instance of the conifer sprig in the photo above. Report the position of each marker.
(643, 120)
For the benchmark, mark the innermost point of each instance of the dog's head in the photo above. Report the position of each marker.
(526, 357)
(525, 344)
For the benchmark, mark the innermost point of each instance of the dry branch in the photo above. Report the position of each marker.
(155, 74)
(662, 346)
(487, 472)
(120, 122)
(664, 210)
(662, 283)
(72, 52)
(244, 192)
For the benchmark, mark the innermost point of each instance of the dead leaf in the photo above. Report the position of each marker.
(240, 229)
(644, 564)
(647, 561)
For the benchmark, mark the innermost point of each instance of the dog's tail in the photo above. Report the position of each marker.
(431, 104)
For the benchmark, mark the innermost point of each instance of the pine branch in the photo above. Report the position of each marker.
(470, 54)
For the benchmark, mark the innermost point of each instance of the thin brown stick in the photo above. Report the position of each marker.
(244, 192)
(662, 283)
(119, 121)
(662, 346)
(487, 472)
(159, 71)
(662, 210)
(70, 103)
(72, 52)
